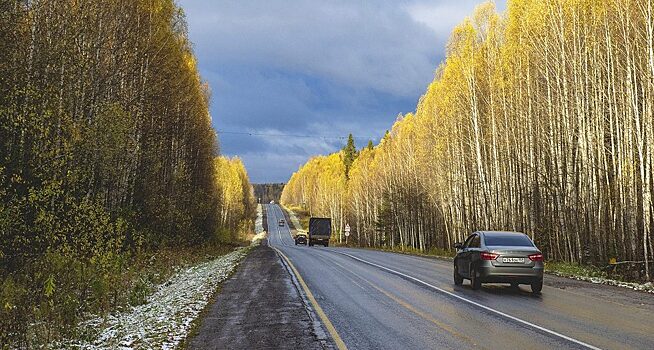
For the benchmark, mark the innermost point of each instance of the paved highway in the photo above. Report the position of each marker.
(379, 300)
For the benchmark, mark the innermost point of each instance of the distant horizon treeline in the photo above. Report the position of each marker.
(107, 154)
(265, 193)
(539, 120)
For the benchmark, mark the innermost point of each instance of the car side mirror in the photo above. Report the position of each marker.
(458, 245)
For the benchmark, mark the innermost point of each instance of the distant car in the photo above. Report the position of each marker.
(301, 238)
(282, 222)
(272, 202)
(499, 257)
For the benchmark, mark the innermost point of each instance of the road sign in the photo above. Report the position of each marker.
(347, 230)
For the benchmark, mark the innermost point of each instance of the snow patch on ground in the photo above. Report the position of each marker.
(644, 287)
(165, 320)
(258, 238)
(258, 227)
(258, 223)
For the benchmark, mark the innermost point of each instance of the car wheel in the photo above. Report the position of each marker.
(458, 279)
(537, 286)
(326, 244)
(475, 282)
(514, 285)
(310, 243)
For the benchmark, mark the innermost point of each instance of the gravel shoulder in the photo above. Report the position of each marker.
(607, 293)
(260, 307)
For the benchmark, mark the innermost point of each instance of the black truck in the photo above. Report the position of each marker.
(320, 229)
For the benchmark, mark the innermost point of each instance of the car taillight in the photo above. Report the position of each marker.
(488, 256)
(536, 257)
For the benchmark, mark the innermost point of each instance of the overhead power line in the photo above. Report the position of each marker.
(293, 135)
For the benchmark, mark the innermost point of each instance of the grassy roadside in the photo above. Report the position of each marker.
(570, 269)
(142, 276)
(78, 289)
(300, 213)
(166, 262)
(150, 271)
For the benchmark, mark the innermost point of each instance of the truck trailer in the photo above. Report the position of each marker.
(320, 229)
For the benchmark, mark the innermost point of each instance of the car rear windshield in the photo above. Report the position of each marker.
(507, 239)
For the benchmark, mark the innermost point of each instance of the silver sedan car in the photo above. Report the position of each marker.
(499, 257)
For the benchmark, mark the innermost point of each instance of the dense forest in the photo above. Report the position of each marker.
(107, 156)
(539, 120)
(268, 192)
(237, 204)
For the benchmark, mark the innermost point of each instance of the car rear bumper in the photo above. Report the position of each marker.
(507, 274)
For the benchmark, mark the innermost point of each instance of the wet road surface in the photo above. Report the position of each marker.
(380, 300)
(260, 307)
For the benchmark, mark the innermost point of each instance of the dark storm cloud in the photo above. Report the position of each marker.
(314, 68)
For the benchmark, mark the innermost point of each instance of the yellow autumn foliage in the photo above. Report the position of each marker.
(539, 120)
(237, 202)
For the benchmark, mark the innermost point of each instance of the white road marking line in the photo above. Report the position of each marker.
(487, 308)
(281, 213)
(317, 308)
(276, 223)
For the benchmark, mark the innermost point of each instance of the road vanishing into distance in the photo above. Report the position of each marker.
(379, 300)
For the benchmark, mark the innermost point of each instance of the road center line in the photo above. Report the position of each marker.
(487, 308)
(325, 320)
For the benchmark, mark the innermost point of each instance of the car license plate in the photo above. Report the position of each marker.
(513, 260)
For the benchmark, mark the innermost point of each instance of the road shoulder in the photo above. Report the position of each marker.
(260, 307)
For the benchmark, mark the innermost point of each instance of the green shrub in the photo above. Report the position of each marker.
(139, 292)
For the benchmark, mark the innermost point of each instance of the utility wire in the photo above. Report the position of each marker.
(293, 135)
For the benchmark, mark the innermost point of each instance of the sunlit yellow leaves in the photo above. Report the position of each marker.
(540, 119)
(190, 62)
(237, 197)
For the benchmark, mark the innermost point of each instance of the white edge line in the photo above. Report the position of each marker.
(487, 308)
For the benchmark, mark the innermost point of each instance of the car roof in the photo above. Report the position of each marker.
(501, 233)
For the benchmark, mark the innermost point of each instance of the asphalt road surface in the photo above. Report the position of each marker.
(260, 307)
(379, 300)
